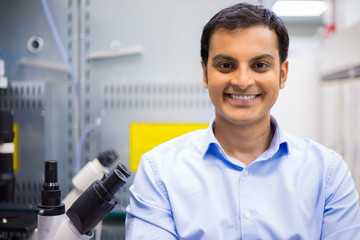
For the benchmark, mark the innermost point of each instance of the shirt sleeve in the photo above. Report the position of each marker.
(341, 213)
(149, 215)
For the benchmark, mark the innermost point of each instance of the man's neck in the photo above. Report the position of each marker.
(244, 142)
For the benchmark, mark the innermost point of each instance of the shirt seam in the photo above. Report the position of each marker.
(156, 175)
(329, 174)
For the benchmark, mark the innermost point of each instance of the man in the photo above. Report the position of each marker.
(243, 178)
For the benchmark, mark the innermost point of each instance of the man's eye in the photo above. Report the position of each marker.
(225, 67)
(260, 66)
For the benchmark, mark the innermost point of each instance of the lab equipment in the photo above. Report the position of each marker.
(7, 176)
(3, 78)
(92, 171)
(87, 211)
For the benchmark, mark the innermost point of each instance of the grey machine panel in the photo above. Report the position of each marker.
(39, 92)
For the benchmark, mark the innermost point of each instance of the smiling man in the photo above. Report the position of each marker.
(243, 177)
(243, 74)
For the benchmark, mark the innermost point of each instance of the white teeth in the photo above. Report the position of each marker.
(247, 97)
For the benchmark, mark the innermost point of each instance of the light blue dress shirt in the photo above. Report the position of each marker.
(188, 188)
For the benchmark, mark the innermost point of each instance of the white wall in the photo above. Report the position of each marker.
(347, 13)
(297, 107)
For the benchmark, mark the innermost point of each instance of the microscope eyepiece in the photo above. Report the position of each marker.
(51, 193)
(114, 181)
(121, 168)
(96, 202)
(51, 176)
(124, 170)
(107, 158)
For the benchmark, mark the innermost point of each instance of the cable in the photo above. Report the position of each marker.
(86, 131)
(75, 85)
(60, 46)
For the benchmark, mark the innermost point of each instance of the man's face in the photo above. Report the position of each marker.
(244, 74)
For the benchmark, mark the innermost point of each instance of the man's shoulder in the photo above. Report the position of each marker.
(309, 146)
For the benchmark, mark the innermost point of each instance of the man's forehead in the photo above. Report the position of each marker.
(267, 38)
(223, 30)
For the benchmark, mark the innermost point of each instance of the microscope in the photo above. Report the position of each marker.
(92, 171)
(97, 200)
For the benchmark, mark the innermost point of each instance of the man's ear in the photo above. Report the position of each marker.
(205, 79)
(283, 73)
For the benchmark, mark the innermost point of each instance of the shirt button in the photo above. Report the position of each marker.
(246, 172)
(247, 214)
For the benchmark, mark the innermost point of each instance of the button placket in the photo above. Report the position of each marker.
(247, 211)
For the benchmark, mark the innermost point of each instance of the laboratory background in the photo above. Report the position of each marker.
(87, 86)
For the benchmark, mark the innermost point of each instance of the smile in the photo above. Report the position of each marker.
(242, 97)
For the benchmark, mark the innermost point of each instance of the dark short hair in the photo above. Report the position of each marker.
(244, 15)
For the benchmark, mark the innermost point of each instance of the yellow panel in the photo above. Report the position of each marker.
(16, 147)
(145, 136)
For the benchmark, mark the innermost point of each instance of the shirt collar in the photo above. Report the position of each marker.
(279, 141)
(209, 138)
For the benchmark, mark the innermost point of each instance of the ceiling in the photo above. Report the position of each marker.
(300, 26)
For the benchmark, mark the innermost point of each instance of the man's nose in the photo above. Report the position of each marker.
(242, 78)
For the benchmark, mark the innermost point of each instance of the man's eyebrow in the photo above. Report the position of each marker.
(229, 58)
(257, 58)
(223, 57)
